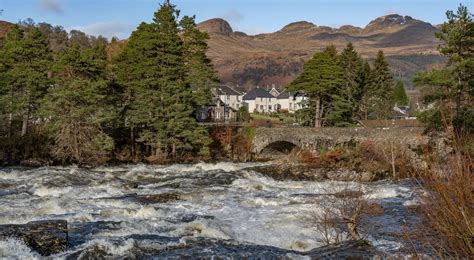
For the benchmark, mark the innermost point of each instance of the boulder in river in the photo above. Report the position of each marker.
(47, 237)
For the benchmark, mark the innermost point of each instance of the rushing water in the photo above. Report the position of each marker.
(222, 209)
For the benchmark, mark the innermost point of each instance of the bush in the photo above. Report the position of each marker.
(449, 204)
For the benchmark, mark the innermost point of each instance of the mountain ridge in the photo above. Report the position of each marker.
(277, 57)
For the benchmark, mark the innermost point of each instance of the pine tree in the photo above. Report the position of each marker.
(200, 74)
(159, 103)
(364, 75)
(321, 78)
(341, 112)
(458, 37)
(380, 90)
(79, 106)
(25, 61)
(356, 74)
(399, 94)
(451, 89)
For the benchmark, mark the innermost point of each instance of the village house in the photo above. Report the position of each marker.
(292, 101)
(227, 101)
(216, 111)
(261, 101)
(230, 96)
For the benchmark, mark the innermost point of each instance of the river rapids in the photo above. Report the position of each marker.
(200, 210)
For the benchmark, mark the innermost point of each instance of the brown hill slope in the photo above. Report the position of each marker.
(4, 28)
(275, 58)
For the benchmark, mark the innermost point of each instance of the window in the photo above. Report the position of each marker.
(261, 99)
(270, 107)
(261, 107)
(228, 97)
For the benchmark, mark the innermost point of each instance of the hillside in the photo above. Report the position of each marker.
(275, 58)
(4, 27)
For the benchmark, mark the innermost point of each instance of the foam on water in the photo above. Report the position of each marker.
(250, 208)
(43, 191)
(16, 249)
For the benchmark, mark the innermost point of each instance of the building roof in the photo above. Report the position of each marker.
(225, 90)
(240, 89)
(257, 93)
(275, 92)
(284, 95)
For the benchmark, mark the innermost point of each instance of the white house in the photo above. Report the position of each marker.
(261, 101)
(292, 101)
(230, 96)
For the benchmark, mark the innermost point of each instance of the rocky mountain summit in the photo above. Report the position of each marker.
(276, 58)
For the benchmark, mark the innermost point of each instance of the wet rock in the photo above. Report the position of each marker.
(294, 173)
(46, 237)
(192, 217)
(347, 250)
(157, 198)
(373, 209)
(304, 173)
(348, 194)
(150, 198)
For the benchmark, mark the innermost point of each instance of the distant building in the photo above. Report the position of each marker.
(292, 101)
(240, 89)
(400, 112)
(230, 96)
(216, 111)
(261, 101)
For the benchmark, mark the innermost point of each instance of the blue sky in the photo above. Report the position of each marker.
(120, 17)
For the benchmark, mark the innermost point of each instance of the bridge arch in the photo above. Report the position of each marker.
(278, 148)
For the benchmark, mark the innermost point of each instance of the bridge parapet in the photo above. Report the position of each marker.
(314, 139)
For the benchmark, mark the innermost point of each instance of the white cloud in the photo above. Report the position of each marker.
(106, 29)
(51, 6)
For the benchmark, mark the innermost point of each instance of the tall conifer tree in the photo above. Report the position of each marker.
(321, 78)
(200, 74)
(25, 61)
(79, 106)
(160, 99)
(380, 90)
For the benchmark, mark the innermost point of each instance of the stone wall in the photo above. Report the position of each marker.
(314, 139)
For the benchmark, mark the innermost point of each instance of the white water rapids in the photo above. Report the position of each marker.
(222, 202)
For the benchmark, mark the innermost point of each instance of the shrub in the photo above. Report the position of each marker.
(449, 204)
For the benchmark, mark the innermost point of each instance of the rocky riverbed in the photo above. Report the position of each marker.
(199, 210)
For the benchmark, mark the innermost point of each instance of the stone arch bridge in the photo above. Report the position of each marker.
(284, 139)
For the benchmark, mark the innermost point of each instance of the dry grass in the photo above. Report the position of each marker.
(449, 203)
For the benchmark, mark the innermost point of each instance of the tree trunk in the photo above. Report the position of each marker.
(24, 126)
(132, 137)
(173, 150)
(10, 127)
(317, 119)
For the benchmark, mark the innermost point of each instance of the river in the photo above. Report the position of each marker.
(223, 209)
